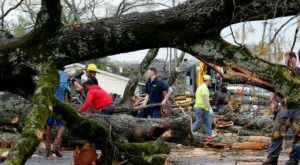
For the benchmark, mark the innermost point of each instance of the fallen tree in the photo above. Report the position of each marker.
(102, 136)
(193, 27)
(35, 124)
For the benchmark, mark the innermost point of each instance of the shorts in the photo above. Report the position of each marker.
(51, 121)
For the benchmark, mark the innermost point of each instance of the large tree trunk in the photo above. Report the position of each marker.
(140, 130)
(36, 119)
(140, 71)
(97, 132)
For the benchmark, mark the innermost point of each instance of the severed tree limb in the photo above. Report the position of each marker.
(79, 125)
(36, 119)
(139, 129)
(144, 153)
(98, 133)
(282, 80)
(233, 142)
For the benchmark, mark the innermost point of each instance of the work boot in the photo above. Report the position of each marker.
(292, 161)
(271, 160)
(48, 153)
(57, 153)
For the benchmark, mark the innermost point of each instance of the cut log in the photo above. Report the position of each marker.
(220, 123)
(139, 129)
(3, 154)
(249, 145)
(234, 142)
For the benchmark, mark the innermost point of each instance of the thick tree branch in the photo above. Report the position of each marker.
(184, 25)
(222, 53)
(49, 16)
(36, 119)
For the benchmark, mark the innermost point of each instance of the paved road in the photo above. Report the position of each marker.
(42, 160)
(185, 157)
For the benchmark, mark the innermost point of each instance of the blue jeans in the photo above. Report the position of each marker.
(153, 112)
(279, 125)
(108, 110)
(202, 116)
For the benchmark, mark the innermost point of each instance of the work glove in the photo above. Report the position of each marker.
(210, 110)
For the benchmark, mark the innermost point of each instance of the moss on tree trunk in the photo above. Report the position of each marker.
(36, 119)
(96, 132)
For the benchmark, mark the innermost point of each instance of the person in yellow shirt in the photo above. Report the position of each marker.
(202, 107)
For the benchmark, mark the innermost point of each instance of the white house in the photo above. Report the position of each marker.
(110, 82)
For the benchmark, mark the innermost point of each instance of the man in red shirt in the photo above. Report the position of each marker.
(98, 98)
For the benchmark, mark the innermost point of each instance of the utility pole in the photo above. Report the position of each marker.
(175, 52)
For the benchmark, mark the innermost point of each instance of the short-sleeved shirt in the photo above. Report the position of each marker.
(63, 85)
(201, 91)
(155, 90)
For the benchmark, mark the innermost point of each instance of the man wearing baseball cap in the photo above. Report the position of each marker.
(202, 107)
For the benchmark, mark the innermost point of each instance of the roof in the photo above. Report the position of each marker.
(81, 66)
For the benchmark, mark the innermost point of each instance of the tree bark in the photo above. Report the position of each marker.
(140, 71)
(139, 31)
(96, 132)
(140, 130)
(279, 79)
